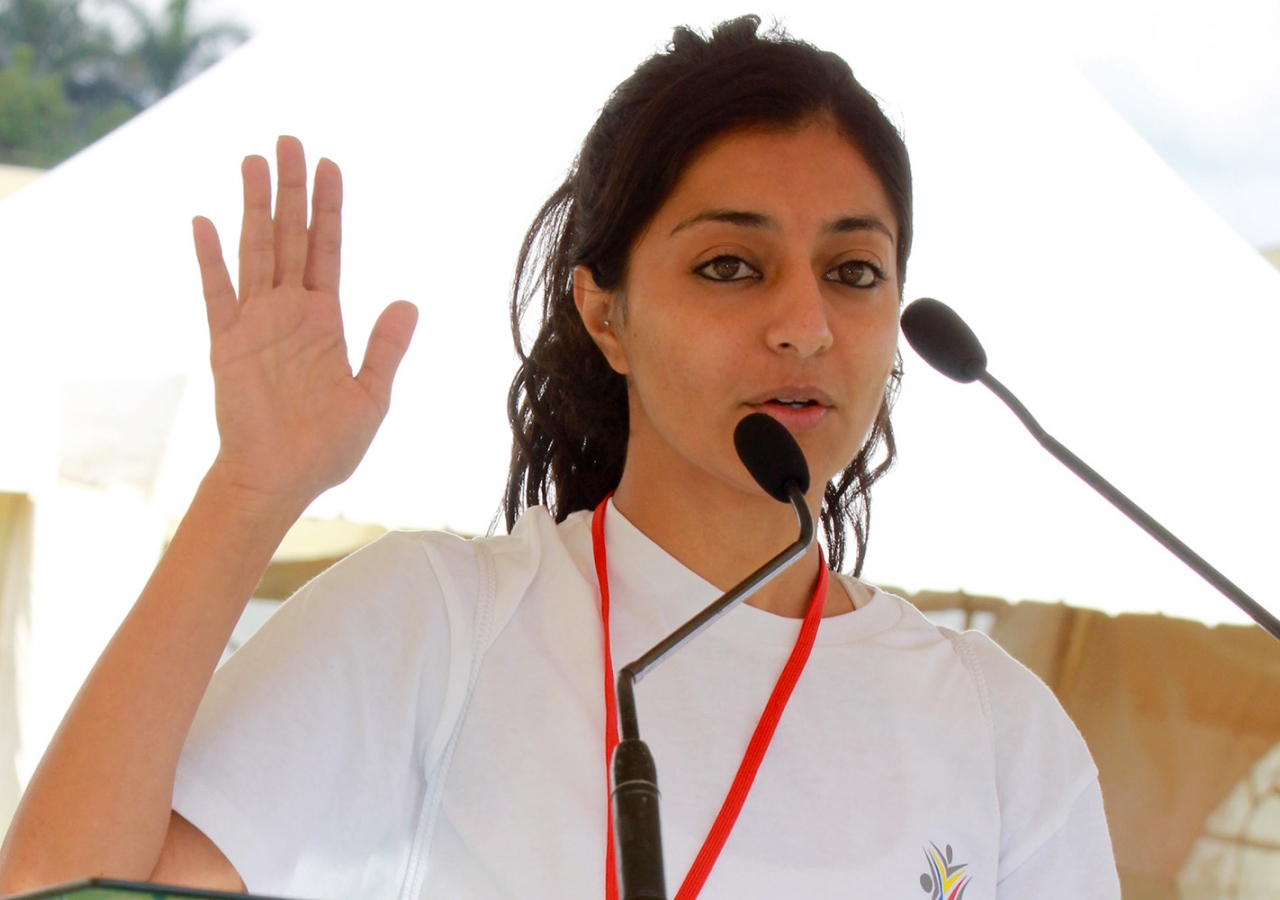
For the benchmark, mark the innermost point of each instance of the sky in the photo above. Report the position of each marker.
(1199, 81)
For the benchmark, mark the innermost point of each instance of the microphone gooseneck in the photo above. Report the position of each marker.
(777, 463)
(944, 341)
(782, 472)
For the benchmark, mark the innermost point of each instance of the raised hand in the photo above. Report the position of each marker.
(292, 419)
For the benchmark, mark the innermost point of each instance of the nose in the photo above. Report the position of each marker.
(799, 323)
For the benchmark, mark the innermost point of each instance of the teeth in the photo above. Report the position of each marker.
(794, 404)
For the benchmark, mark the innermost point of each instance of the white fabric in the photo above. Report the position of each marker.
(449, 694)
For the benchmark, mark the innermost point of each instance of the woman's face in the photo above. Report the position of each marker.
(766, 283)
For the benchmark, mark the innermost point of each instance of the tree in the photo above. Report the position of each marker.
(65, 81)
(59, 38)
(83, 55)
(170, 49)
(34, 113)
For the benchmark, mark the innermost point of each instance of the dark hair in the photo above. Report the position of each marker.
(568, 408)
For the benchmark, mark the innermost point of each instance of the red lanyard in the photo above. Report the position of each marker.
(756, 749)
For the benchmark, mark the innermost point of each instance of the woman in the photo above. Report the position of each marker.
(429, 718)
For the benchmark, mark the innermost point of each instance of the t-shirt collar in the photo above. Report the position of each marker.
(641, 572)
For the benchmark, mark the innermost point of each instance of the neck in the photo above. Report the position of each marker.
(723, 533)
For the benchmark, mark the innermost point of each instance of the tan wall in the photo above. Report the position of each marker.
(1176, 714)
(15, 612)
(14, 177)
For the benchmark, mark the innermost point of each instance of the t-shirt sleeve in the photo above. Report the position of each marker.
(1054, 841)
(1075, 861)
(305, 763)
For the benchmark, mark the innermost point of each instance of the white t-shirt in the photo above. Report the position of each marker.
(426, 720)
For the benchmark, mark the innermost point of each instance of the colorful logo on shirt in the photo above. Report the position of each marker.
(944, 879)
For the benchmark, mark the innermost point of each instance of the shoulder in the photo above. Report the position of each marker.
(407, 567)
(1051, 812)
(1043, 765)
(1018, 705)
(410, 585)
(387, 593)
(1022, 709)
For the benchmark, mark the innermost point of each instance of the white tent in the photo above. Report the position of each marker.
(1130, 319)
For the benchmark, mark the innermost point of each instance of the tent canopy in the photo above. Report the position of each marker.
(1130, 319)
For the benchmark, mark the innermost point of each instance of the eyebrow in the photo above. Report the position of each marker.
(743, 219)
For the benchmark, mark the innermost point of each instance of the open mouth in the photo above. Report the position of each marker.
(798, 406)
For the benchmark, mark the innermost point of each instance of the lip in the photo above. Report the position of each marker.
(793, 392)
(803, 419)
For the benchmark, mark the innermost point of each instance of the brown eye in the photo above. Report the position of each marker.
(856, 273)
(726, 268)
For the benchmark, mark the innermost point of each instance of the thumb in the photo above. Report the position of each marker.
(387, 345)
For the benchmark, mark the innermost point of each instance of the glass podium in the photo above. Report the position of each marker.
(106, 889)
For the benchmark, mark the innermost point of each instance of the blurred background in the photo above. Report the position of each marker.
(1098, 193)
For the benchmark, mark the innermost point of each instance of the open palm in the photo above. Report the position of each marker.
(292, 418)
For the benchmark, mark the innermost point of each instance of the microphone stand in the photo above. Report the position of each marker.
(1139, 517)
(637, 830)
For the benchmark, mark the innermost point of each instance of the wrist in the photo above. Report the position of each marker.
(226, 487)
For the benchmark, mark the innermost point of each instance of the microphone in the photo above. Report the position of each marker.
(771, 455)
(777, 464)
(936, 332)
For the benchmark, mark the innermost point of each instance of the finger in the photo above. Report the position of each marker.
(291, 211)
(219, 297)
(257, 257)
(324, 239)
(387, 345)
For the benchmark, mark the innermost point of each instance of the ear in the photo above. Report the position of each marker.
(601, 314)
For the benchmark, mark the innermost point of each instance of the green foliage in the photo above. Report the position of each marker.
(66, 81)
(34, 113)
(60, 39)
(169, 49)
(106, 120)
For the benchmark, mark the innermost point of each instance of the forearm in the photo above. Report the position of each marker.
(99, 802)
